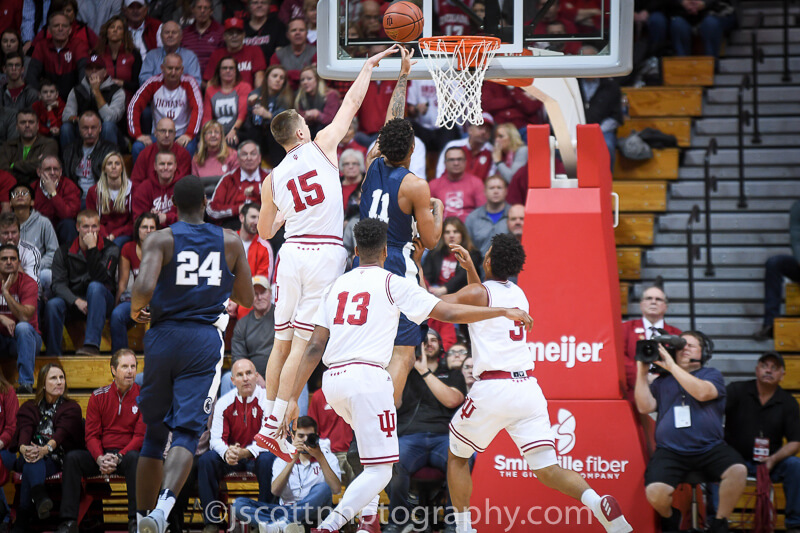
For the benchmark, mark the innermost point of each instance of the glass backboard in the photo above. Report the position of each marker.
(539, 38)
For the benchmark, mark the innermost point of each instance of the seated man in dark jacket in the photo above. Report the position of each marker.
(83, 159)
(114, 436)
(83, 284)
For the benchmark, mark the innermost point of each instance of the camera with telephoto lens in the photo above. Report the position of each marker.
(647, 351)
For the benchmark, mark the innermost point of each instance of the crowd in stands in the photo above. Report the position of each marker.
(104, 108)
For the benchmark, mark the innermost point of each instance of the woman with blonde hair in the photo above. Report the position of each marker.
(214, 158)
(314, 101)
(510, 152)
(111, 198)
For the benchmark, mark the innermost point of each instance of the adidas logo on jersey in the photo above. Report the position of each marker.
(567, 351)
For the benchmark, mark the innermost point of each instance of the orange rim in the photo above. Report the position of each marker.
(453, 44)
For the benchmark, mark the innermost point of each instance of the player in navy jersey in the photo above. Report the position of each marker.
(187, 274)
(397, 197)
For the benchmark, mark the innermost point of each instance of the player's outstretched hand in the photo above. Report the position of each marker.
(373, 61)
(462, 255)
(518, 315)
(406, 63)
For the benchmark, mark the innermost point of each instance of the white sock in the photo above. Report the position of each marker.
(269, 405)
(279, 409)
(591, 499)
(463, 522)
(372, 507)
(358, 495)
(166, 501)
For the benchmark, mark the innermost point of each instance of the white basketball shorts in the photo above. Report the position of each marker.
(362, 394)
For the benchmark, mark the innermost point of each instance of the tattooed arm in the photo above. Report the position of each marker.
(397, 105)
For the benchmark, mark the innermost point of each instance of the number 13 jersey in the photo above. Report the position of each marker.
(500, 343)
(307, 190)
(361, 310)
(196, 282)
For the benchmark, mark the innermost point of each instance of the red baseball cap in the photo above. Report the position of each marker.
(96, 61)
(234, 24)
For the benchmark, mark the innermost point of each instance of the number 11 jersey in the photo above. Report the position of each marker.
(307, 190)
(195, 284)
(361, 310)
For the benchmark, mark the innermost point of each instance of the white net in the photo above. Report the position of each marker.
(458, 67)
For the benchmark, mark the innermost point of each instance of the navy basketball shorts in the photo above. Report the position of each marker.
(399, 262)
(182, 363)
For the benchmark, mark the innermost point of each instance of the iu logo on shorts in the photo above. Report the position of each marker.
(388, 423)
(467, 409)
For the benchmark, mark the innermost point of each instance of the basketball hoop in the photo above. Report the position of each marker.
(458, 66)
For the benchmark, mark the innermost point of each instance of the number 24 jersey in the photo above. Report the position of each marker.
(361, 309)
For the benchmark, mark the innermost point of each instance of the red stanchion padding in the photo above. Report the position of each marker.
(598, 440)
(571, 278)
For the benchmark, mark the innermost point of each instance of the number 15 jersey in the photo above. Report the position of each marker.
(196, 282)
(307, 190)
(361, 310)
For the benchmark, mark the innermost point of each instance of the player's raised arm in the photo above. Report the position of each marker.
(242, 292)
(268, 216)
(330, 136)
(397, 105)
(155, 251)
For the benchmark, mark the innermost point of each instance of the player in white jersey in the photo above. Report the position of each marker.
(304, 192)
(506, 395)
(355, 327)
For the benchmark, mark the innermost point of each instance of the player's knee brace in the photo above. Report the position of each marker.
(155, 440)
(185, 439)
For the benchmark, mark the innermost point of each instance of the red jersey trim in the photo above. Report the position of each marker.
(336, 168)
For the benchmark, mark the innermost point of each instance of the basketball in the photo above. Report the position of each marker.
(403, 22)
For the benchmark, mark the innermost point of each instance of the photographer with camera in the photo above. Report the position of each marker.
(305, 485)
(690, 401)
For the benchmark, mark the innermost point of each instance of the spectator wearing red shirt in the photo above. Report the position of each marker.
(441, 269)
(250, 59)
(459, 191)
(130, 258)
(204, 35)
(114, 436)
(352, 168)
(145, 31)
(510, 104)
(79, 30)
(57, 198)
(238, 187)
(260, 256)
(111, 198)
(144, 168)
(19, 325)
(236, 419)
(372, 113)
(156, 197)
(334, 428)
(58, 58)
(10, 15)
(9, 405)
(49, 109)
(348, 141)
(121, 57)
(477, 149)
(173, 95)
(298, 54)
